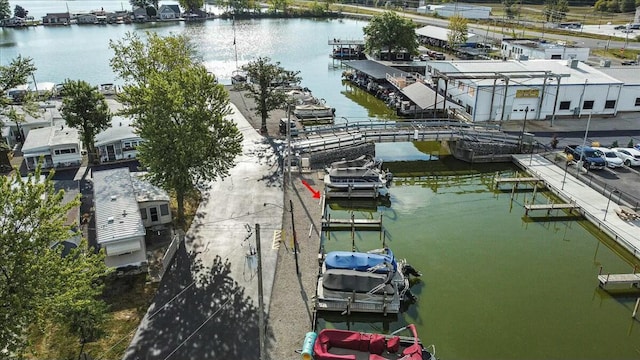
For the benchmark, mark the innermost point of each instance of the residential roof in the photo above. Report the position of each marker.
(581, 75)
(44, 138)
(627, 74)
(440, 33)
(116, 209)
(121, 129)
(145, 191)
(374, 69)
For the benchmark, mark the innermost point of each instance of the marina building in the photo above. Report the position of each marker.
(541, 49)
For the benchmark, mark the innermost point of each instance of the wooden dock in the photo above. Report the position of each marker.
(517, 180)
(353, 194)
(619, 279)
(352, 224)
(549, 207)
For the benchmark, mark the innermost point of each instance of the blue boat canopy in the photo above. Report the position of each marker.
(360, 261)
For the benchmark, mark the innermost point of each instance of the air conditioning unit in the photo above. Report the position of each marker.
(572, 63)
(605, 63)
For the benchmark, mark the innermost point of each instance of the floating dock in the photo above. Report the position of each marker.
(631, 280)
(549, 207)
(352, 224)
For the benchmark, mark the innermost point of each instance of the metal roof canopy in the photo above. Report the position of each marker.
(374, 69)
(497, 75)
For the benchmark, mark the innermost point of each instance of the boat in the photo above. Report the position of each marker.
(371, 282)
(348, 53)
(357, 178)
(312, 107)
(367, 161)
(107, 89)
(335, 344)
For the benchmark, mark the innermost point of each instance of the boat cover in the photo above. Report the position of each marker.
(358, 281)
(345, 339)
(359, 261)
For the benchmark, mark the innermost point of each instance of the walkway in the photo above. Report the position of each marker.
(594, 206)
(206, 306)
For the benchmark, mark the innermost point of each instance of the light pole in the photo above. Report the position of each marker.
(608, 202)
(584, 143)
(524, 126)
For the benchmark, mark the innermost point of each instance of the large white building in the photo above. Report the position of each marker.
(490, 90)
(541, 49)
(450, 9)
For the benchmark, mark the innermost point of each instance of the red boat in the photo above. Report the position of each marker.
(334, 344)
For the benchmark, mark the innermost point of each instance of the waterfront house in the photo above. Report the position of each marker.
(86, 18)
(13, 22)
(59, 145)
(153, 203)
(140, 15)
(56, 19)
(119, 227)
(118, 142)
(169, 12)
(13, 132)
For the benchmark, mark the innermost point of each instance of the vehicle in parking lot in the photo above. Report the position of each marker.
(629, 62)
(620, 27)
(610, 157)
(592, 159)
(629, 156)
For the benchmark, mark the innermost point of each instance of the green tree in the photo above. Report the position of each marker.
(180, 111)
(457, 31)
(263, 74)
(5, 9)
(627, 5)
(388, 31)
(555, 10)
(190, 6)
(20, 12)
(511, 8)
(11, 76)
(84, 108)
(37, 284)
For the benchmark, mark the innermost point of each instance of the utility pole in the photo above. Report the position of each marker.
(295, 238)
(260, 296)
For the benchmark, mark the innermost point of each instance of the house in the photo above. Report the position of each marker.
(86, 18)
(119, 227)
(169, 12)
(528, 89)
(118, 142)
(56, 19)
(140, 15)
(152, 201)
(14, 133)
(59, 145)
(13, 22)
(542, 49)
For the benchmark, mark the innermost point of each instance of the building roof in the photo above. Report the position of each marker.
(627, 74)
(581, 75)
(121, 129)
(424, 97)
(116, 208)
(542, 45)
(43, 139)
(145, 191)
(374, 69)
(439, 33)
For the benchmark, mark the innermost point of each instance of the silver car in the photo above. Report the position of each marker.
(629, 156)
(613, 161)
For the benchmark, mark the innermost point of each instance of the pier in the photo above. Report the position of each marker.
(549, 207)
(631, 280)
(352, 224)
(593, 205)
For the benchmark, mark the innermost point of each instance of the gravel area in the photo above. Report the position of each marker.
(290, 314)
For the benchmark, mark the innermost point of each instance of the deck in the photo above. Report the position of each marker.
(352, 224)
(619, 279)
(549, 207)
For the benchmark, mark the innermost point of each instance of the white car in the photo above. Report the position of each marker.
(629, 156)
(613, 161)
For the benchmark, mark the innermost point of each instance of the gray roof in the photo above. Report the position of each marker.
(145, 191)
(121, 129)
(440, 33)
(116, 208)
(630, 75)
(424, 97)
(374, 69)
(44, 139)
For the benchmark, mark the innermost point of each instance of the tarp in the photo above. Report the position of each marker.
(359, 261)
(358, 281)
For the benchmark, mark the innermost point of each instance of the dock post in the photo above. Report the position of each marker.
(513, 191)
(353, 233)
(383, 234)
(635, 309)
(535, 189)
(600, 272)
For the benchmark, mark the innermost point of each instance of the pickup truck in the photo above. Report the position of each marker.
(593, 159)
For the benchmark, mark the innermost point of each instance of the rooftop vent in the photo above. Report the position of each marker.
(110, 220)
(572, 63)
(124, 212)
(113, 198)
(605, 63)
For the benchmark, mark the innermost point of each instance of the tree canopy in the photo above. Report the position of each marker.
(39, 286)
(20, 12)
(191, 5)
(388, 31)
(180, 112)
(5, 9)
(511, 8)
(11, 76)
(556, 10)
(457, 31)
(85, 108)
(265, 77)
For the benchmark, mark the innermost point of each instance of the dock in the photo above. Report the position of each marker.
(353, 194)
(549, 207)
(352, 224)
(619, 279)
(517, 180)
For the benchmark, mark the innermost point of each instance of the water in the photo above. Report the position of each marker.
(494, 285)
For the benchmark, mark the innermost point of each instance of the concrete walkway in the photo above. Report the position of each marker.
(595, 206)
(206, 306)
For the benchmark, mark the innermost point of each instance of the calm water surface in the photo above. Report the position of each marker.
(494, 286)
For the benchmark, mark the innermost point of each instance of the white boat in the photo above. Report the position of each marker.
(357, 178)
(363, 282)
(107, 89)
(238, 77)
(367, 161)
(312, 107)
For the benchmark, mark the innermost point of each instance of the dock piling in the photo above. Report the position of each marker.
(635, 308)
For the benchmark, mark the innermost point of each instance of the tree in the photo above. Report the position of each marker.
(555, 10)
(390, 32)
(263, 74)
(84, 108)
(457, 31)
(627, 5)
(20, 12)
(5, 9)
(11, 76)
(38, 285)
(179, 110)
(191, 5)
(511, 8)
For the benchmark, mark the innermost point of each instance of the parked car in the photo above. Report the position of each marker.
(629, 62)
(292, 127)
(613, 161)
(620, 27)
(592, 159)
(629, 156)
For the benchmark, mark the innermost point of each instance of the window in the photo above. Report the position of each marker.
(556, 57)
(64, 151)
(637, 101)
(164, 209)
(565, 105)
(143, 213)
(469, 110)
(587, 105)
(610, 104)
(153, 212)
